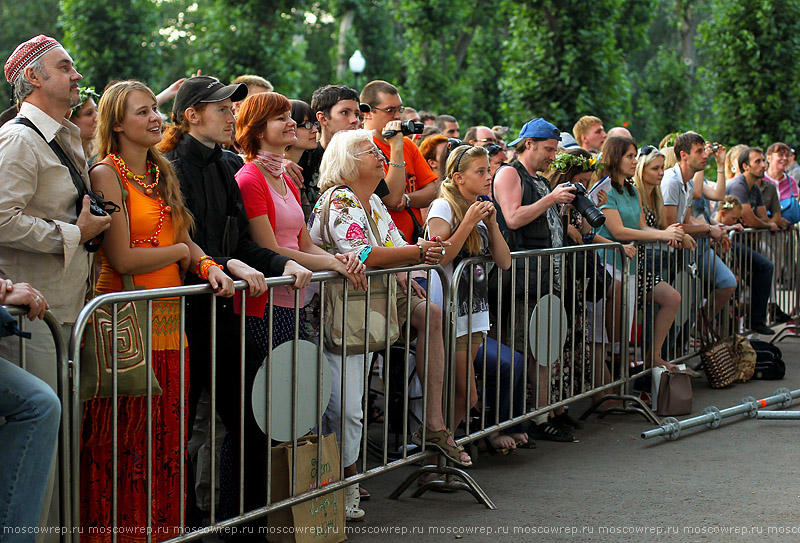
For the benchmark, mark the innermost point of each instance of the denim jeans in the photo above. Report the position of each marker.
(29, 435)
(760, 277)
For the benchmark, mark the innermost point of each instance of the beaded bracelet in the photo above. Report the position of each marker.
(206, 266)
(200, 261)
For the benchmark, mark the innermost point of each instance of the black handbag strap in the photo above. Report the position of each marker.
(77, 180)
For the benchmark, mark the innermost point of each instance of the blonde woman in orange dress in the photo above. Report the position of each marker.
(150, 241)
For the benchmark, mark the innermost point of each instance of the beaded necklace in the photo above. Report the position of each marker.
(163, 209)
(152, 170)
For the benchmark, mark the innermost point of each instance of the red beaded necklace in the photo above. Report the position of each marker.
(152, 170)
(163, 209)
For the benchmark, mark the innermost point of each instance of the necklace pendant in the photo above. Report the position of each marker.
(129, 174)
(168, 209)
(149, 192)
(155, 243)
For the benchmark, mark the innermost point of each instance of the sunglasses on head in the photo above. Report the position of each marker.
(452, 143)
(493, 149)
(647, 149)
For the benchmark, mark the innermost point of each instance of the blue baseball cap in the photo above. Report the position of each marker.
(537, 128)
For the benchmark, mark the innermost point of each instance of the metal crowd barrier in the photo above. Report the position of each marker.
(782, 249)
(235, 361)
(63, 371)
(594, 365)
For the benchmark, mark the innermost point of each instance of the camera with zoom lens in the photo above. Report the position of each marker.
(585, 205)
(407, 127)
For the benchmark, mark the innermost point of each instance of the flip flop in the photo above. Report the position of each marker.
(438, 440)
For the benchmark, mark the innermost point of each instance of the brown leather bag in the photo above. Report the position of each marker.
(674, 393)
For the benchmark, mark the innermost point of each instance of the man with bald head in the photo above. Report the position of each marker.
(480, 135)
(44, 221)
(619, 132)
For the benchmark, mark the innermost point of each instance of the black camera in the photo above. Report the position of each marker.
(715, 147)
(585, 206)
(98, 206)
(407, 127)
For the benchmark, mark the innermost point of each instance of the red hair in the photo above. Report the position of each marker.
(253, 115)
(429, 145)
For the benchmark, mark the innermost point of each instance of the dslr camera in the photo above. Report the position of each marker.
(585, 206)
(407, 127)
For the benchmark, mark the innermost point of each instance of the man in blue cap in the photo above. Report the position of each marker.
(529, 218)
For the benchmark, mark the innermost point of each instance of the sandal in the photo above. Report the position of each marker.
(486, 445)
(438, 440)
(364, 493)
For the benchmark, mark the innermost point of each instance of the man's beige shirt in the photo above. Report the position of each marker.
(39, 241)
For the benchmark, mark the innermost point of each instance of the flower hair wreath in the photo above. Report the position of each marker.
(565, 161)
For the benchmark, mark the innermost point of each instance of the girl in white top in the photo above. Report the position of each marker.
(470, 225)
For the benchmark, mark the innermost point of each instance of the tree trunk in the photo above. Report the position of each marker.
(341, 50)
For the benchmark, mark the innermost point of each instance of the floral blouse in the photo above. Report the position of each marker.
(348, 224)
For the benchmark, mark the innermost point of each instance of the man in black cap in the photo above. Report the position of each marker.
(203, 118)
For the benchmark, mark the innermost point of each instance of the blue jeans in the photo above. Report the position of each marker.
(760, 277)
(29, 437)
(490, 384)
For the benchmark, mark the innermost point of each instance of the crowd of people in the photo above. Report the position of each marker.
(240, 182)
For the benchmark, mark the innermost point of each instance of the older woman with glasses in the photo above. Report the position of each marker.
(358, 221)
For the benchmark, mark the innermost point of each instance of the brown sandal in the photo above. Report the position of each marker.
(438, 440)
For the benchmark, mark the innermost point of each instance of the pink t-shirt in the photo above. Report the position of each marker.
(787, 187)
(287, 225)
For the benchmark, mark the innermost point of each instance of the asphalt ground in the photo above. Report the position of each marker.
(738, 482)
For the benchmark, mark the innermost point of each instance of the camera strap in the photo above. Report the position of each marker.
(77, 180)
(74, 175)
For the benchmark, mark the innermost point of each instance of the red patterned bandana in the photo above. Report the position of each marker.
(25, 53)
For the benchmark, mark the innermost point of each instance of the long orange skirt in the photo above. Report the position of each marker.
(132, 455)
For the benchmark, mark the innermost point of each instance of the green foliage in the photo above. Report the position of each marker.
(665, 100)
(20, 21)
(111, 40)
(234, 37)
(750, 66)
(559, 67)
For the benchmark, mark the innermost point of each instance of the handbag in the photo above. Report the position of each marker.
(716, 355)
(418, 232)
(744, 355)
(674, 393)
(790, 210)
(346, 326)
(97, 351)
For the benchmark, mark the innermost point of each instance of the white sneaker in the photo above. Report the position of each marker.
(352, 500)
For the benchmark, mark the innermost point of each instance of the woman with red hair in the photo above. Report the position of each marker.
(264, 129)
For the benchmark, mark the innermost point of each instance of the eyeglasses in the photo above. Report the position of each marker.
(647, 149)
(487, 140)
(391, 110)
(374, 151)
(452, 143)
(493, 149)
(308, 125)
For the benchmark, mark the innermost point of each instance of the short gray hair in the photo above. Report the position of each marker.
(22, 87)
(339, 163)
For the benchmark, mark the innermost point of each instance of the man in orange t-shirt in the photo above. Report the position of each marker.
(412, 184)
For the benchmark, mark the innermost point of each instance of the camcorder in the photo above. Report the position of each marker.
(585, 206)
(407, 127)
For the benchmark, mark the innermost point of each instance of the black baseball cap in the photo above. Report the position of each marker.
(203, 88)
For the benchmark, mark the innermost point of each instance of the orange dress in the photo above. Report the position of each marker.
(132, 455)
